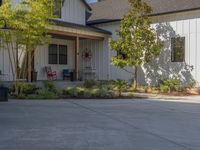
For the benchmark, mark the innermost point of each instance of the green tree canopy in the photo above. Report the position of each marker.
(137, 42)
(25, 23)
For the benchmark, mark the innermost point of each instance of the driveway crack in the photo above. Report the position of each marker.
(129, 124)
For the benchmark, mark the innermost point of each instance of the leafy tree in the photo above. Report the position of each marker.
(25, 23)
(137, 42)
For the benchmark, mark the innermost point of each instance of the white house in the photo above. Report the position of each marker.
(80, 41)
(71, 40)
(176, 21)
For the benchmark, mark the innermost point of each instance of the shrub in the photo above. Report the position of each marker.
(192, 83)
(169, 85)
(164, 88)
(87, 93)
(23, 89)
(101, 93)
(120, 85)
(89, 83)
(49, 85)
(44, 94)
(74, 92)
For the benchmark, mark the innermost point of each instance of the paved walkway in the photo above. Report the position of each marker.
(160, 96)
(100, 125)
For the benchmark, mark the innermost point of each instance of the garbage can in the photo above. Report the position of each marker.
(3, 94)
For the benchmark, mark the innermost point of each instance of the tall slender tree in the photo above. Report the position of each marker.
(137, 42)
(25, 23)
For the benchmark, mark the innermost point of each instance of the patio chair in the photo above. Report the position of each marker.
(51, 75)
(68, 74)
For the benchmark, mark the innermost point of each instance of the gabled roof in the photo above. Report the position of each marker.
(112, 10)
(87, 5)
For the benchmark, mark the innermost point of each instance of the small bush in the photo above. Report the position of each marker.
(164, 88)
(23, 89)
(120, 85)
(87, 93)
(101, 93)
(89, 83)
(74, 92)
(170, 85)
(49, 85)
(192, 83)
(44, 94)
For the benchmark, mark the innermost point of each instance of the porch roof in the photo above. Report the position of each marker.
(78, 27)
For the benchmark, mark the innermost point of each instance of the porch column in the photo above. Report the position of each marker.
(77, 61)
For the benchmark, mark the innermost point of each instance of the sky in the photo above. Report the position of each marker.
(90, 1)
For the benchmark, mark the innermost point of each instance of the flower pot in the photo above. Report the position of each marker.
(3, 94)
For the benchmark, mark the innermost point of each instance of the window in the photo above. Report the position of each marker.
(178, 49)
(62, 54)
(53, 54)
(57, 54)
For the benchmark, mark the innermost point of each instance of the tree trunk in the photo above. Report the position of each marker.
(29, 71)
(135, 82)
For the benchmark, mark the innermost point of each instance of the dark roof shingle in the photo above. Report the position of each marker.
(109, 10)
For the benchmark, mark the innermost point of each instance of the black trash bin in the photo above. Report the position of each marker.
(3, 94)
(33, 76)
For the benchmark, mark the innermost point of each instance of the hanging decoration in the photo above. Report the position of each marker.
(87, 55)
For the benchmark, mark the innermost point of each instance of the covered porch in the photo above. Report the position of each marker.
(81, 51)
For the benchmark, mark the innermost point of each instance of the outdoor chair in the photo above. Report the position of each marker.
(51, 75)
(68, 75)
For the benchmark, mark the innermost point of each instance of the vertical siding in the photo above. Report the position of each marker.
(74, 11)
(5, 64)
(100, 60)
(114, 72)
(41, 59)
(186, 25)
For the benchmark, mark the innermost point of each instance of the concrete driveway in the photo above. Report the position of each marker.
(100, 125)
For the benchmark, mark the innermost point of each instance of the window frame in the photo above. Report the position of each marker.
(174, 46)
(58, 54)
(49, 54)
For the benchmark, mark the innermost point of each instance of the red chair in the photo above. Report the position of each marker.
(51, 75)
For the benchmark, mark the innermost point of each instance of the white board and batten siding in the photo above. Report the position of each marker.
(100, 58)
(6, 65)
(186, 24)
(41, 59)
(74, 11)
(115, 72)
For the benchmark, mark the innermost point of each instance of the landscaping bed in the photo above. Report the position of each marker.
(90, 90)
(117, 89)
